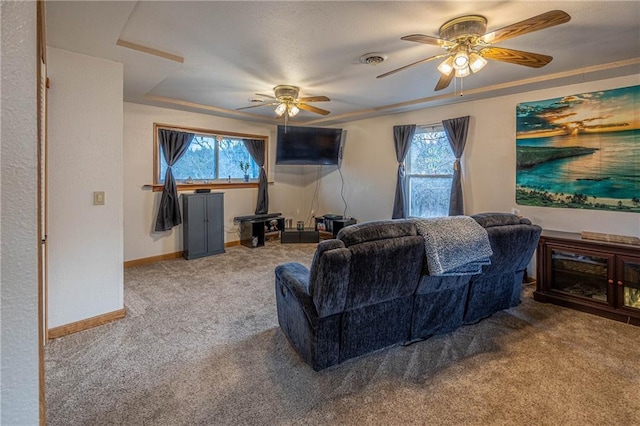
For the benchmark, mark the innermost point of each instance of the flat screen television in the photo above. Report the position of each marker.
(298, 145)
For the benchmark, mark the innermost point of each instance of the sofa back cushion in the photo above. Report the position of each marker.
(376, 230)
(386, 260)
(329, 277)
(513, 247)
(383, 270)
(489, 220)
(369, 263)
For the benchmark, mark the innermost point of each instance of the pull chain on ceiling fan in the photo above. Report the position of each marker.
(468, 46)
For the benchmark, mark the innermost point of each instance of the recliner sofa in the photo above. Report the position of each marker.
(370, 288)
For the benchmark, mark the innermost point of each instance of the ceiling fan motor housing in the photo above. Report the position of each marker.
(286, 93)
(464, 27)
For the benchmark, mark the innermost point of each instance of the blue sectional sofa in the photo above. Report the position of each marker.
(371, 288)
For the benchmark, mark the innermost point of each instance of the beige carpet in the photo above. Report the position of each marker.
(201, 346)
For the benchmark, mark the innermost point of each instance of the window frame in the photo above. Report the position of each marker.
(219, 184)
(424, 128)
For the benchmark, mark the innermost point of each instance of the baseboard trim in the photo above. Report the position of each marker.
(86, 324)
(166, 256)
(152, 259)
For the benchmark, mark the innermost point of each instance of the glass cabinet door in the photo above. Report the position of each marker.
(628, 282)
(581, 274)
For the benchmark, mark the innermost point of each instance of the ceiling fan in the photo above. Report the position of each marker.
(289, 104)
(467, 45)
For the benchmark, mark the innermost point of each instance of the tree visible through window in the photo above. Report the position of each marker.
(429, 169)
(211, 159)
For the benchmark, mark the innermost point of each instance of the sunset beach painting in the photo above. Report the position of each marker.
(580, 151)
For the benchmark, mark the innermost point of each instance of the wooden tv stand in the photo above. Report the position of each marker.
(598, 277)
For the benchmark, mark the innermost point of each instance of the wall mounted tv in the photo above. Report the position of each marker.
(298, 145)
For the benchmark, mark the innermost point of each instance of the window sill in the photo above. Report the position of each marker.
(194, 186)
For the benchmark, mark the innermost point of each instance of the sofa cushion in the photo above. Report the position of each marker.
(329, 277)
(384, 269)
(489, 220)
(323, 247)
(376, 230)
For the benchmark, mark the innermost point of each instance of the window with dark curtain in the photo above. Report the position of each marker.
(173, 145)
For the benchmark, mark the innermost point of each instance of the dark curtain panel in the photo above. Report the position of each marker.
(174, 144)
(456, 129)
(402, 136)
(256, 150)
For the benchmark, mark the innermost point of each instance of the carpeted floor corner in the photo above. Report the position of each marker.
(200, 345)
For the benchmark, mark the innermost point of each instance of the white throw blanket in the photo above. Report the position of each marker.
(455, 245)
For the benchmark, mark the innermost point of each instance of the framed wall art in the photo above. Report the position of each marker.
(580, 151)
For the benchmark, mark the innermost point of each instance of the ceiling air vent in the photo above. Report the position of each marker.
(373, 58)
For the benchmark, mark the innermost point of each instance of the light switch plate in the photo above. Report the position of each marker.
(98, 198)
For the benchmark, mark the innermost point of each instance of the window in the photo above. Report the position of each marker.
(429, 169)
(213, 159)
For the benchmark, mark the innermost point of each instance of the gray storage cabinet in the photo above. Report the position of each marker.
(203, 226)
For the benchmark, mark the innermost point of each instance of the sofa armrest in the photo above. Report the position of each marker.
(293, 279)
(295, 276)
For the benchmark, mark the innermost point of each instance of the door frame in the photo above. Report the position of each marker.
(41, 117)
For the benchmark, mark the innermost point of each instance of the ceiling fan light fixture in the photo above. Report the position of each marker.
(281, 109)
(476, 62)
(460, 60)
(446, 67)
(462, 72)
(287, 104)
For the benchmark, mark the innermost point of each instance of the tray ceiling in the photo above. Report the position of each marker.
(232, 50)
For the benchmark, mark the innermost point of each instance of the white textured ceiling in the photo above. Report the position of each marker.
(233, 50)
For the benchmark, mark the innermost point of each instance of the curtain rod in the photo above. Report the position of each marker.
(432, 126)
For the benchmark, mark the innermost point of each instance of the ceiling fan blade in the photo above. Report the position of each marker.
(444, 81)
(266, 96)
(528, 59)
(425, 39)
(313, 109)
(314, 99)
(410, 65)
(256, 106)
(546, 20)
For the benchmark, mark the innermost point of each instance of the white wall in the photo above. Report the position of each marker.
(85, 155)
(141, 206)
(18, 209)
(369, 164)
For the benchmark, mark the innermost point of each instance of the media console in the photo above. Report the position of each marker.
(333, 223)
(597, 277)
(253, 228)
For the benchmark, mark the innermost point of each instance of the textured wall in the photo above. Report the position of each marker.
(18, 210)
(85, 155)
(369, 164)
